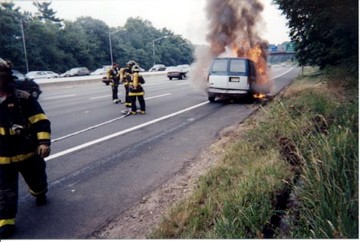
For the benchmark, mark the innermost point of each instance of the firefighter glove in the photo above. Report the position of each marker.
(43, 150)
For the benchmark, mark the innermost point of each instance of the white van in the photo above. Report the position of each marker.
(231, 77)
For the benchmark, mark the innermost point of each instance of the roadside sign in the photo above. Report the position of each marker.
(272, 48)
(290, 47)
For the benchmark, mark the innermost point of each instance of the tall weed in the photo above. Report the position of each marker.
(319, 122)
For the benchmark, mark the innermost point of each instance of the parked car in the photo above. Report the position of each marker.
(99, 71)
(26, 84)
(77, 71)
(41, 74)
(158, 67)
(179, 71)
(233, 77)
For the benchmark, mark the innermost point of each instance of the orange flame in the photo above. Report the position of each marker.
(259, 95)
(255, 54)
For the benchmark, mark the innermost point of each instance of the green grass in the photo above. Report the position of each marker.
(315, 121)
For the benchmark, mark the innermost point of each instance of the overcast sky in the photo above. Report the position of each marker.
(183, 17)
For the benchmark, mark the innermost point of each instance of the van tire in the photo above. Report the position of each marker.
(211, 99)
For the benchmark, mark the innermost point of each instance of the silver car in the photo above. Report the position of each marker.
(77, 71)
(41, 75)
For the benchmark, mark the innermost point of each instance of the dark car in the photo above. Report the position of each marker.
(26, 84)
(178, 72)
(77, 71)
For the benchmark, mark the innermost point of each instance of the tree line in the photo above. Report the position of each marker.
(325, 31)
(59, 45)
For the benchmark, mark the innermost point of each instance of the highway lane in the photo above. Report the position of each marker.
(113, 165)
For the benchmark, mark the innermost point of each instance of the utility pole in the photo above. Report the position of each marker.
(24, 44)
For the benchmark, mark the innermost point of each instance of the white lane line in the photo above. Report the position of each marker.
(87, 144)
(107, 96)
(161, 95)
(87, 129)
(100, 97)
(282, 73)
(58, 97)
(101, 124)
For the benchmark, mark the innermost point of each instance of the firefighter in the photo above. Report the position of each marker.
(136, 91)
(114, 76)
(125, 74)
(125, 78)
(24, 143)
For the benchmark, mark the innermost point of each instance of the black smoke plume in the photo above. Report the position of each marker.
(233, 31)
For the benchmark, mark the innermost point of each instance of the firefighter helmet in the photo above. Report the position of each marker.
(131, 63)
(135, 68)
(5, 69)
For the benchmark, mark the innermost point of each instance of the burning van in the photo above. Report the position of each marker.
(231, 77)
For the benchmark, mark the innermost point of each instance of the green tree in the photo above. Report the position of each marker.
(96, 32)
(325, 31)
(73, 42)
(11, 42)
(45, 12)
(59, 46)
(137, 37)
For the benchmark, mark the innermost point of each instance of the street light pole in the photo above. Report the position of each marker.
(24, 44)
(153, 45)
(110, 45)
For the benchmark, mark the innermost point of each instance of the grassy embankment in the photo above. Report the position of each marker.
(292, 174)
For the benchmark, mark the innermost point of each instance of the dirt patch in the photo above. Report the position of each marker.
(140, 220)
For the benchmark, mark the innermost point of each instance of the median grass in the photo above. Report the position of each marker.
(293, 173)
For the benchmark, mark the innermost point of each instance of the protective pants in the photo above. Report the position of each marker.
(141, 102)
(34, 174)
(115, 92)
(127, 98)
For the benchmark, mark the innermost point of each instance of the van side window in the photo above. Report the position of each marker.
(220, 66)
(237, 66)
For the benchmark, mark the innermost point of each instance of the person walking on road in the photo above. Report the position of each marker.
(114, 76)
(24, 143)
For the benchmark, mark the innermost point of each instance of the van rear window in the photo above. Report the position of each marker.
(220, 65)
(237, 66)
(226, 66)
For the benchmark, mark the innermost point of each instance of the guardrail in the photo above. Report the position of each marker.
(83, 79)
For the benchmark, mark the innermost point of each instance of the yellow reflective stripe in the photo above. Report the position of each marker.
(3, 132)
(8, 160)
(37, 193)
(38, 117)
(4, 222)
(43, 135)
(131, 94)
